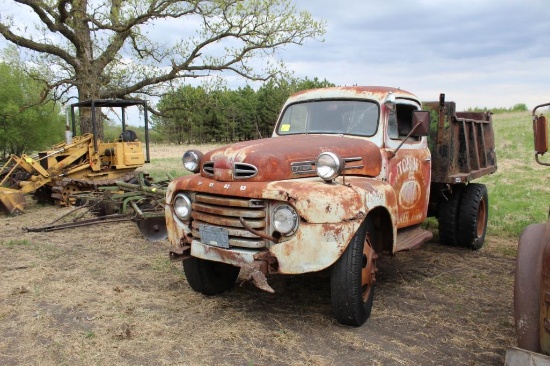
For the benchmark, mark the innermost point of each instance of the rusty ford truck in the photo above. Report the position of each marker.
(349, 173)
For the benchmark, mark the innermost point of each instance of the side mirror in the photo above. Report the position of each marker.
(420, 127)
(540, 129)
(390, 102)
(421, 123)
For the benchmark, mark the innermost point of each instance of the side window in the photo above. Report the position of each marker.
(392, 126)
(400, 122)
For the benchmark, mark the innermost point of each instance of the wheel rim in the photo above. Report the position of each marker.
(481, 218)
(368, 272)
(68, 190)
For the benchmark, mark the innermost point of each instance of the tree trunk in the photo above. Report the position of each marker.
(89, 89)
(88, 71)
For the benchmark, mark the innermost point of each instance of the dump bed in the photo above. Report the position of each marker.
(462, 144)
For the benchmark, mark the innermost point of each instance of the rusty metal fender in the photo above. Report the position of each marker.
(545, 293)
(378, 195)
(527, 287)
(330, 215)
(316, 201)
(316, 247)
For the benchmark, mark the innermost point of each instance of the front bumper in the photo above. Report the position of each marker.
(312, 248)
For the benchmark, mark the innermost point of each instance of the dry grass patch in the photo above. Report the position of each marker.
(104, 295)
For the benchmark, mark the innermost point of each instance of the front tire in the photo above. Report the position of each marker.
(208, 277)
(353, 278)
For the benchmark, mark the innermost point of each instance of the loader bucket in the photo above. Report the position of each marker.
(12, 201)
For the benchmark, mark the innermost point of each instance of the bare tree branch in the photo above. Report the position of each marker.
(106, 48)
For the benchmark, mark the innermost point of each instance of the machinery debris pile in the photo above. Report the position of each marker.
(82, 163)
(141, 202)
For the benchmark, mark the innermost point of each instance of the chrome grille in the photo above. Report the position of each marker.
(240, 170)
(208, 168)
(243, 171)
(221, 211)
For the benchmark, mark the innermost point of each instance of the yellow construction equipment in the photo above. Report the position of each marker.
(81, 163)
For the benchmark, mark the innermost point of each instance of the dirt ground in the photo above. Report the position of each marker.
(103, 295)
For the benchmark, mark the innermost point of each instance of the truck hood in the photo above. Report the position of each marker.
(288, 157)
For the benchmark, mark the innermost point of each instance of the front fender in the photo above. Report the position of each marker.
(317, 246)
(330, 214)
(317, 202)
(545, 289)
(527, 287)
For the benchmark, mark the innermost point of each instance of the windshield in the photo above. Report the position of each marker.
(351, 117)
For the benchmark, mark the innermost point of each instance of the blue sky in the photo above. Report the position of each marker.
(485, 53)
(492, 53)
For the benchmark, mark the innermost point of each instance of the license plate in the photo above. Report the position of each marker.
(215, 236)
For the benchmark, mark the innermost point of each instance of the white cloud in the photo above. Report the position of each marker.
(480, 53)
(492, 53)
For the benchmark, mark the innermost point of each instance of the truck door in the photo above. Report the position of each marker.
(409, 170)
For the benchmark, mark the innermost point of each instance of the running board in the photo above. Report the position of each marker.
(412, 238)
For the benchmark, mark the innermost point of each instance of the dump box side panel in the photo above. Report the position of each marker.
(462, 144)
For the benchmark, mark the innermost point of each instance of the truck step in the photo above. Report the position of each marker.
(412, 238)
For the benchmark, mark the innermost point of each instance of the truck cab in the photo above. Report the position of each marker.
(384, 118)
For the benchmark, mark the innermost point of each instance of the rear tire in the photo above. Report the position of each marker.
(473, 216)
(353, 278)
(448, 215)
(208, 277)
(527, 287)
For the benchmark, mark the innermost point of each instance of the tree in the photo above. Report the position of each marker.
(24, 128)
(103, 48)
(273, 94)
(213, 113)
(520, 107)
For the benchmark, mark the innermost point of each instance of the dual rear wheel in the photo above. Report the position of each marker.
(463, 215)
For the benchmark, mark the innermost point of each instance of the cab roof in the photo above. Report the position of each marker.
(377, 93)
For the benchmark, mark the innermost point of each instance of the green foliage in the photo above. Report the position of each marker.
(213, 113)
(519, 193)
(24, 126)
(520, 107)
(16, 243)
(117, 58)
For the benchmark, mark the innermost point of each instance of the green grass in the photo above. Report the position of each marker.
(519, 192)
(166, 168)
(16, 243)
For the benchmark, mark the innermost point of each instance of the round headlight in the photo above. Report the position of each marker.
(192, 160)
(329, 166)
(285, 219)
(182, 206)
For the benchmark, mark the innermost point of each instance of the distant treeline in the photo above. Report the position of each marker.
(206, 114)
(520, 107)
(216, 114)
